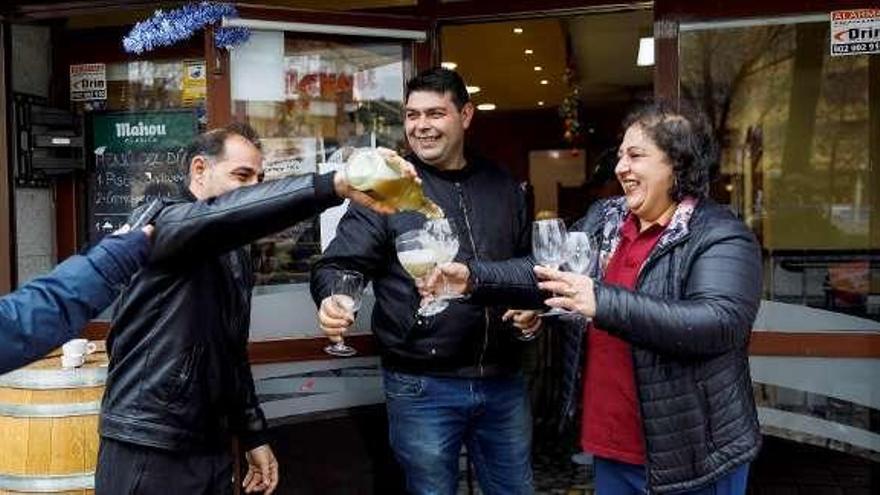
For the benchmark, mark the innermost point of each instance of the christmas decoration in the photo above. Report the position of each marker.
(168, 28)
(568, 109)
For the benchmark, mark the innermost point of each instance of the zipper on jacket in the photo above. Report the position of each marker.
(655, 256)
(464, 212)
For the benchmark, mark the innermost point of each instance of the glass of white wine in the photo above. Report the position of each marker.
(347, 292)
(419, 257)
(443, 233)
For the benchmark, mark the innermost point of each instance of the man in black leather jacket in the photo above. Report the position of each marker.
(455, 377)
(179, 383)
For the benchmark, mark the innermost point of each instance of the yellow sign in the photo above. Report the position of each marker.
(195, 85)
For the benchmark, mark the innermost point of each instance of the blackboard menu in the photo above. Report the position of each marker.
(134, 157)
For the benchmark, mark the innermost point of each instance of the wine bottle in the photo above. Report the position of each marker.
(380, 177)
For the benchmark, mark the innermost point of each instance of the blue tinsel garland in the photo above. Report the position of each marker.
(167, 28)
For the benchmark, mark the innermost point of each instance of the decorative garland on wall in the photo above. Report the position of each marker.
(568, 108)
(168, 28)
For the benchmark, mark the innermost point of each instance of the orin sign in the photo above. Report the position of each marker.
(855, 32)
(88, 82)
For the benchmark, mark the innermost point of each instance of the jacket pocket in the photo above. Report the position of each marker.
(401, 385)
(182, 376)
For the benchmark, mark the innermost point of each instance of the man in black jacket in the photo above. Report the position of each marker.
(455, 377)
(179, 383)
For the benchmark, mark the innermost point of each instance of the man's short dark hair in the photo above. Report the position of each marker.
(683, 133)
(442, 81)
(212, 143)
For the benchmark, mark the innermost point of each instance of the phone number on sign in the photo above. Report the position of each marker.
(872, 46)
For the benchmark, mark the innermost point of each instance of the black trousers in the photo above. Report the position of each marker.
(129, 469)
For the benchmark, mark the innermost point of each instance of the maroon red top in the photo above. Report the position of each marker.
(611, 426)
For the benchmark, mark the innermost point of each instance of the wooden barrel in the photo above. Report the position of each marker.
(49, 426)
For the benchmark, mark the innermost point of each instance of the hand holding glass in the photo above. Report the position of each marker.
(444, 238)
(418, 256)
(549, 248)
(347, 293)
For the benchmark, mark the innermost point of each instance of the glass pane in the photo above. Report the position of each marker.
(154, 85)
(794, 125)
(332, 93)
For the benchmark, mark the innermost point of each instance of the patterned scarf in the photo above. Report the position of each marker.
(615, 214)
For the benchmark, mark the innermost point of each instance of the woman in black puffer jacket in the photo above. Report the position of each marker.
(662, 370)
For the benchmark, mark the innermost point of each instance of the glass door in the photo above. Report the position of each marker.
(307, 93)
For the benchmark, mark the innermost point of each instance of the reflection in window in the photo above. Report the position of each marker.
(331, 94)
(154, 85)
(794, 125)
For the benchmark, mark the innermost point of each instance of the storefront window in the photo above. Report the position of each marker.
(794, 123)
(306, 98)
(154, 85)
(797, 149)
(137, 133)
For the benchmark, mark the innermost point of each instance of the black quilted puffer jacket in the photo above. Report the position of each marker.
(688, 322)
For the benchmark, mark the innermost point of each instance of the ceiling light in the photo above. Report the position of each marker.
(540, 103)
(545, 82)
(538, 68)
(472, 89)
(449, 65)
(529, 51)
(646, 52)
(486, 106)
(517, 30)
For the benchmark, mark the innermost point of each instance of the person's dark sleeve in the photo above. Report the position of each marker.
(217, 225)
(715, 315)
(361, 245)
(511, 283)
(54, 308)
(524, 224)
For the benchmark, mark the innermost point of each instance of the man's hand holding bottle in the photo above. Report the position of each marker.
(345, 189)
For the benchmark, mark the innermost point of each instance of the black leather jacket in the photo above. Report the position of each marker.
(179, 377)
(689, 323)
(467, 339)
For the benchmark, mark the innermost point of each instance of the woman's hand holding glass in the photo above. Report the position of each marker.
(549, 250)
(571, 291)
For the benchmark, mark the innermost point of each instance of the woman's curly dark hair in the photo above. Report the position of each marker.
(684, 135)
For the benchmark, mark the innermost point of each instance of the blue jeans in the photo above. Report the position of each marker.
(429, 418)
(618, 478)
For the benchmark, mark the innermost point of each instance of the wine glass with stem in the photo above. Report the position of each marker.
(443, 233)
(348, 290)
(580, 254)
(548, 248)
(417, 254)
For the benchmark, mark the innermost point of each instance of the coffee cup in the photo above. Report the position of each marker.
(78, 347)
(72, 360)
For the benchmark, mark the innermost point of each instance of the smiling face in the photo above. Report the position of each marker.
(435, 128)
(240, 164)
(645, 174)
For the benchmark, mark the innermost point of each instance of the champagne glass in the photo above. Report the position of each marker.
(548, 247)
(579, 253)
(347, 292)
(444, 235)
(418, 256)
